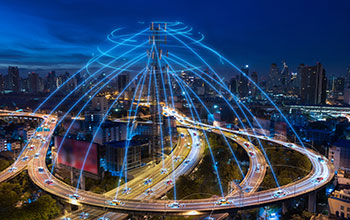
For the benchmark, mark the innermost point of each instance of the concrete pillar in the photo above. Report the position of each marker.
(284, 207)
(82, 182)
(312, 202)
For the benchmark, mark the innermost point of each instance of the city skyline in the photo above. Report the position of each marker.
(173, 110)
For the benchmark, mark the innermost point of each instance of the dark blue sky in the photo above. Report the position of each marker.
(63, 34)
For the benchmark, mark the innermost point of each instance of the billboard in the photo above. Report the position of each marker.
(73, 152)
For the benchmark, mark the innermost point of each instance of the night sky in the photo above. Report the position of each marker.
(54, 35)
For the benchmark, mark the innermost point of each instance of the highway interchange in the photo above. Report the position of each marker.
(140, 200)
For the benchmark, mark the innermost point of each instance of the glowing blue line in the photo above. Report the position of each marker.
(205, 135)
(272, 171)
(149, 89)
(127, 133)
(255, 84)
(159, 118)
(130, 131)
(228, 144)
(60, 103)
(71, 77)
(168, 118)
(131, 62)
(262, 148)
(102, 120)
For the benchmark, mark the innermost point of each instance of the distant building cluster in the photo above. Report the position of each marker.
(308, 85)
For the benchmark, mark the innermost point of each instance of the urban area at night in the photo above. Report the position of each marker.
(170, 110)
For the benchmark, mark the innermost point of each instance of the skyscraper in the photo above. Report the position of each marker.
(252, 87)
(274, 81)
(233, 85)
(243, 82)
(13, 78)
(347, 77)
(313, 84)
(34, 82)
(347, 86)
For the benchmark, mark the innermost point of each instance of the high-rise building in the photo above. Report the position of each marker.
(243, 81)
(50, 84)
(347, 78)
(2, 84)
(252, 88)
(233, 85)
(13, 79)
(313, 84)
(347, 87)
(34, 82)
(274, 82)
(122, 81)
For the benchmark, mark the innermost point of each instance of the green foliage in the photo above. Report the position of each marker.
(4, 164)
(12, 206)
(203, 183)
(108, 183)
(288, 165)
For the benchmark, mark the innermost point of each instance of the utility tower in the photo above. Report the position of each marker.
(156, 38)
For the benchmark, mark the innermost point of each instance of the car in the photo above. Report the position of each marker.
(84, 215)
(126, 190)
(174, 205)
(32, 147)
(147, 181)
(290, 145)
(258, 167)
(163, 171)
(49, 182)
(41, 170)
(176, 158)
(182, 135)
(251, 154)
(25, 158)
(319, 179)
(246, 144)
(187, 161)
(165, 113)
(233, 136)
(194, 134)
(66, 218)
(181, 120)
(149, 192)
(210, 130)
(173, 112)
(189, 144)
(320, 159)
(169, 182)
(115, 202)
(223, 202)
(12, 169)
(36, 156)
(279, 194)
(247, 189)
(74, 196)
(103, 218)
